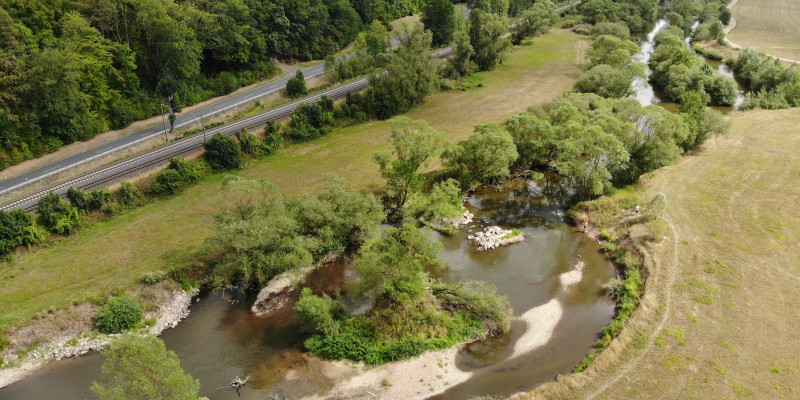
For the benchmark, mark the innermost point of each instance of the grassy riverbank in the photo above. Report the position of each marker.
(114, 254)
(720, 314)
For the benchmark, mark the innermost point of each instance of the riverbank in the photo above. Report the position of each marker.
(113, 254)
(174, 308)
(433, 372)
(723, 281)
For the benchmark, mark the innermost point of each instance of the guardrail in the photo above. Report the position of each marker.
(188, 144)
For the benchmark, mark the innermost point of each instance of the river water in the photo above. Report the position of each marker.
(222, 339)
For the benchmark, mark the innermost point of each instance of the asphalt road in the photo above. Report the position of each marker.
(137, 164)
(30, 177)
(131, 166)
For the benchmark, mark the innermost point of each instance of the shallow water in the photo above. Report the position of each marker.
(222, 339)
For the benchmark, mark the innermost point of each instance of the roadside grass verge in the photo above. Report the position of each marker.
(114, 254)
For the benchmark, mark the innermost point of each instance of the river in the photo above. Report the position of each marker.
(222, 339)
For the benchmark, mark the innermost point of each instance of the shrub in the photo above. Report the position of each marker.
(118, 314)
(320, 314)
(18, 228)
(222, 153)
(56, 215)
(617, 29)
(178, 175)
(251, 145)
(128, 194)
(90, 201)
(296, 87)
(151, 278)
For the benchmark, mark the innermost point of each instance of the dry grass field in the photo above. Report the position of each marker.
(772, 26)
(721, 316)
(113, 254)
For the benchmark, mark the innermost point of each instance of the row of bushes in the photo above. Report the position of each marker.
(711, 54)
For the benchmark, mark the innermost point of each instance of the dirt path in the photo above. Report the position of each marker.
(720, 315)
(732, 25)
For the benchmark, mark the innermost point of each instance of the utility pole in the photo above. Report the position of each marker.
(164, 122)
(204, 126)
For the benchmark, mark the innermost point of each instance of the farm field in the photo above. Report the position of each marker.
(723, 309)
(772, 26)
(113, 254)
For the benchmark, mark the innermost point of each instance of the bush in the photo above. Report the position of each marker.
(222, 153)
(617, 29)
(251, 145)
(604, 80)
(90, 201)
(56, 215)
(320, 314)
(128, 194)
(296, 87)
(179, 174)
(151, 278)
(118, 314)
(18, 228)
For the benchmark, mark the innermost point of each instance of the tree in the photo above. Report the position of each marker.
(599, 10)
(499, 7)
(487, 154)
(486, 33)
(717, 31)
(437, 208)
(296, 87)
(411, 75)
(589, 159)
(392, 265)
(139, 367)
(222, 153)
(464, 52)
(675, 19)
(534, 22)
(725, 15)
(414, 145)
(605, 81)
(438, 16)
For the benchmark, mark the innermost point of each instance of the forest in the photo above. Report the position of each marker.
(70, 70)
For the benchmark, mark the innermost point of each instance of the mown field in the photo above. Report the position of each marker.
(114, 254)
(772, 26)
(724, 309)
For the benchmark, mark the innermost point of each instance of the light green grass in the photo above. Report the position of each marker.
(114, 254)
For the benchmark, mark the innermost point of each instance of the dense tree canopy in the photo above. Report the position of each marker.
(139, 367)
(70, 69)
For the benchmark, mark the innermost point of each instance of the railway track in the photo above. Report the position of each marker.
(134, 165)
(140, 163)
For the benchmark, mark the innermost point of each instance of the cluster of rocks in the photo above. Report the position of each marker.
(493, 237)
(462, 221)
